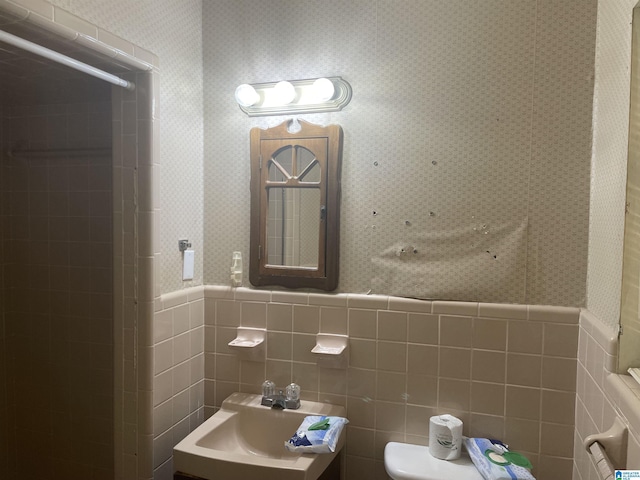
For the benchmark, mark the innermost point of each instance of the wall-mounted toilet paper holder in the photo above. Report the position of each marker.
(613, 443)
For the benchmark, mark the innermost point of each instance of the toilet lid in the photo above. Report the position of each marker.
(404, 461)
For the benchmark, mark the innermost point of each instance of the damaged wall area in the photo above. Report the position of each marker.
(472, 263)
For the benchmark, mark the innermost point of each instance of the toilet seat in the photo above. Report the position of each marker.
(404, 461)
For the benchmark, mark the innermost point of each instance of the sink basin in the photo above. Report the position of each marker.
(245, 440)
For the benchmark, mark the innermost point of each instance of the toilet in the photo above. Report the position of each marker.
(404, 461)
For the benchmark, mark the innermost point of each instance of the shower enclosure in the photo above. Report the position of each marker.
(77, 212)
(56, 277)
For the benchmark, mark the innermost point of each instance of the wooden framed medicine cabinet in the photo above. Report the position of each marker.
(295, 205)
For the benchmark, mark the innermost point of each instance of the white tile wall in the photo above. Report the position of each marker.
(408, 360)
(179, 366)
(133, 123)
(56, 304)
(602, 395)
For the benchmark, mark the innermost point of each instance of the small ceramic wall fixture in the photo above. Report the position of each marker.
(249, 343)
(331, 350)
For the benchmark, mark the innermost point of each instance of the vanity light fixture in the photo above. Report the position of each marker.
(314, 95)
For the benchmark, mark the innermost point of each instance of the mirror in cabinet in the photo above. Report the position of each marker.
(629, 355)
(295, 205)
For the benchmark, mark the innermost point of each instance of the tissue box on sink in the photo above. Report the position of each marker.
(316, 434)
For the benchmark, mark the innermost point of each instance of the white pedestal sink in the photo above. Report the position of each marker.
(245, 440)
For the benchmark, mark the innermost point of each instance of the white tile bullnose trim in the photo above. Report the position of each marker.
(58, 21)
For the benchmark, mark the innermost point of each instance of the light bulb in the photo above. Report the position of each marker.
(246, 95)
(323, 89)
(284, 92)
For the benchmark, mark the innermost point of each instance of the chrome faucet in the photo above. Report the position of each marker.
(277, 401)
(280, 400)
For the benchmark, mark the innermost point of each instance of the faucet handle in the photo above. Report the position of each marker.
(293, 392)
(292, 398)
(268, 388)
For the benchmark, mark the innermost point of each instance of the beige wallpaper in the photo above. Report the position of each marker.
(609, 162)
(172, 30)
(469, 117)
(444, 95)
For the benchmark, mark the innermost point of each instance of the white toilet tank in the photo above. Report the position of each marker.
(404, 461)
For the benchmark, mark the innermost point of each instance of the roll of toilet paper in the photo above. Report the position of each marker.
(445, 437)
